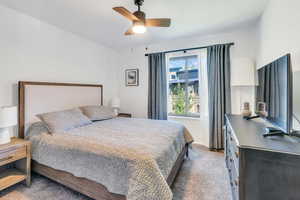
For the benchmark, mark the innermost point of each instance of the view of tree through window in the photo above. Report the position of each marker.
(184, 86)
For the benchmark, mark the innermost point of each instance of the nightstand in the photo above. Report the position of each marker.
(15, 158)
(124, 115)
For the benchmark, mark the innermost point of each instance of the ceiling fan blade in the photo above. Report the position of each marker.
(126, 13)
(129, 32)
(163, 22)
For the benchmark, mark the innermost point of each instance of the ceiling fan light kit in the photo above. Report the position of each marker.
(139, 27)
(139, 20)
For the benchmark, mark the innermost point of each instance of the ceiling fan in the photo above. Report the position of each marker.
(139, 20)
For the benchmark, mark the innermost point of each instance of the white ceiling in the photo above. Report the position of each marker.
(95, 19)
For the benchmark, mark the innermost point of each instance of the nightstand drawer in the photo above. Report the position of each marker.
(11, 155)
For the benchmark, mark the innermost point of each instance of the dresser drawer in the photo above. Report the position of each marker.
(232, 148)
(13, 154)
(234, 180)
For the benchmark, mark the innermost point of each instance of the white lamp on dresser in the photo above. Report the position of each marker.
(243, 81)
(8, 118)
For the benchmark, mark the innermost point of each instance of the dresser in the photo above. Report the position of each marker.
(261, 168)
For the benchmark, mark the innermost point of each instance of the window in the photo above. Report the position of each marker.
(183, 81)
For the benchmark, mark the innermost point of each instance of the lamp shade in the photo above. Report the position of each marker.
(243, 72)
(8, 116)
(116, 103)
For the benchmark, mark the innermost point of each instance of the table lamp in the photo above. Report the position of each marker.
(115, 104)
(8, 118)
(243, 77)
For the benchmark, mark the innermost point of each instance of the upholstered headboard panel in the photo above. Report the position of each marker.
(40, 97)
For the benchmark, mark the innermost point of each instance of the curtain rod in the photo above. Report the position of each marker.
(204, 47)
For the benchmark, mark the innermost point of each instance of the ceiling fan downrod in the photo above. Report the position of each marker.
(138, 3)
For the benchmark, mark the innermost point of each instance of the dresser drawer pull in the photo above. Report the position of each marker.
(7, 158)
(237, 154)
(236, 182)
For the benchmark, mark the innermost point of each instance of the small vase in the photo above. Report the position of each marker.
(246, 112)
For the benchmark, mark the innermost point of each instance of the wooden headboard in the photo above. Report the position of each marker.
(41, 97)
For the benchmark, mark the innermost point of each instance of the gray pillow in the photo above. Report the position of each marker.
(97, 113)
(36, 128)
(64, 120)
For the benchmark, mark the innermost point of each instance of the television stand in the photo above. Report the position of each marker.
(268, 169)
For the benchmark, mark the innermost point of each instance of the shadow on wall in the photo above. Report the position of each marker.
(15, 100)
(198, 127)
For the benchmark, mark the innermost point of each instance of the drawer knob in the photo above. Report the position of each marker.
(237, 154)
(236, 182)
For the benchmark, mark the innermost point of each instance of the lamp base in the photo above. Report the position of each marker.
(116, 111)
(4, 136)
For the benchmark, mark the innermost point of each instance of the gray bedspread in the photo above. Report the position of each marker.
(132, 157)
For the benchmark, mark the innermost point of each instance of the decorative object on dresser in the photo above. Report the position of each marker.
(262, 109)
(132, 77)
(260, 168)
(8, 118)
(246, 111)
(124, 115)
(116, 104)
(15, 161)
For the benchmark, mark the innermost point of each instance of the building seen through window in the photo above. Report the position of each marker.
(184, 86)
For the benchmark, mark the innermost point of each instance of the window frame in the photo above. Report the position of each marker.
(184, 54)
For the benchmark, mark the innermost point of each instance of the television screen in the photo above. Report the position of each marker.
(275, 90)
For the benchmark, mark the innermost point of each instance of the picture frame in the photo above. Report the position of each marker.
(132, 77)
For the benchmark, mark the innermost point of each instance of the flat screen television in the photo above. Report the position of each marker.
(275, 90)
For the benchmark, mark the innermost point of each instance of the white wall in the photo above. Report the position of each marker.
(31, 50)
(279, 32)
(134, 99)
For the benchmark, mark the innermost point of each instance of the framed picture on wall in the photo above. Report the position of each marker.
(132, 77)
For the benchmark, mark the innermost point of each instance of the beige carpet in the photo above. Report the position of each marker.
(202, 177)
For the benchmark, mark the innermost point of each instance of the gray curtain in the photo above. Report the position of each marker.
(157, 92)
(218, 63)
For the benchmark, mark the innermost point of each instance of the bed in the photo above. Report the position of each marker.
(115, 159)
